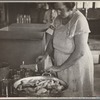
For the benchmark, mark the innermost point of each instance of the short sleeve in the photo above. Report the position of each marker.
(82, 26)
(79, 27)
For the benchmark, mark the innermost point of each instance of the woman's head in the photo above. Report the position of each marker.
(64, 8)
(69, 5)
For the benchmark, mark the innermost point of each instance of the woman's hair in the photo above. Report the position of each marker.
(69, 5)
(51, 5)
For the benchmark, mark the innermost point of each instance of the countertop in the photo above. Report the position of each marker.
(23, 31)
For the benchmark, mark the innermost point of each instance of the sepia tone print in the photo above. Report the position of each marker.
(49, 49)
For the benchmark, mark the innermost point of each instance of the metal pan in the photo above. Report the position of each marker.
(27, 79)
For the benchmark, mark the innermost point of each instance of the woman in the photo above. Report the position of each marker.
(50, 14)
(49, 17)
(73, 61)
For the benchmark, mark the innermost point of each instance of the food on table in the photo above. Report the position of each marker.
(42, 87)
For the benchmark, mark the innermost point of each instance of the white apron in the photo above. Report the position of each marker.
(79, 77)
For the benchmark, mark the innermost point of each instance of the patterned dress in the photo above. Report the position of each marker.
(79, 77)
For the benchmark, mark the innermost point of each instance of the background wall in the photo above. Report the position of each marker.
(13, 9)
(25, 9)
(23, 44)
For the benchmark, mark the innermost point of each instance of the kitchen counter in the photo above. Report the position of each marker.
(23, 31)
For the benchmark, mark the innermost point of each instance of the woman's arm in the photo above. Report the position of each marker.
(79, 51)
(47, 52)
(49, 48)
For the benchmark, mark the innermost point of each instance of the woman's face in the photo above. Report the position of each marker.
(62, 10)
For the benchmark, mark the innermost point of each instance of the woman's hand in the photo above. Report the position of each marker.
(53, 69)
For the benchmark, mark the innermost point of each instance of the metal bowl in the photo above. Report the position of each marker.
(28, 79)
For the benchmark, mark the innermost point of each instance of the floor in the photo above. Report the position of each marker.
(97, 80)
